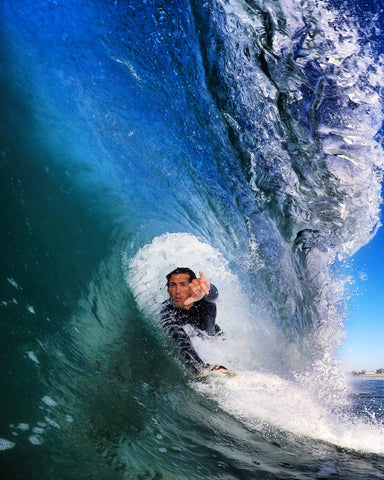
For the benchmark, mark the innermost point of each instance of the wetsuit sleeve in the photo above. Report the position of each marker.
(212, 295)
(205, 313)
(207, 317)
(177, 333)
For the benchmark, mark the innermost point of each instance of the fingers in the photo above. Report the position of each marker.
(198, 287)
(203, 283)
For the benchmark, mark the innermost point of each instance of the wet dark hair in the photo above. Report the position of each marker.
(177, 270)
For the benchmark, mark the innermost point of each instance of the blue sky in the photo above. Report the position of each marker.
(363, 347)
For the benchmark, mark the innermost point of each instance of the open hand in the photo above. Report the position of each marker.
(198, 288)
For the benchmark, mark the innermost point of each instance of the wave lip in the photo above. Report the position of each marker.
(304, 125)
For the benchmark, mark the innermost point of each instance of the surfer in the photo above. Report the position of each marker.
(191, 302)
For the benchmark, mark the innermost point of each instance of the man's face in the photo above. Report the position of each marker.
(178, 288)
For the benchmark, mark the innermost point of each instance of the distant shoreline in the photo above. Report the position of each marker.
(367, 375)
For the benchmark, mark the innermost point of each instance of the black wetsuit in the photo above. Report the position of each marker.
(201, 315)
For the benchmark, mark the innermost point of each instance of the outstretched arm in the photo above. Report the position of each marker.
(182, 341)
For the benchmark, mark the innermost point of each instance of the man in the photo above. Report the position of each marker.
(191, 302)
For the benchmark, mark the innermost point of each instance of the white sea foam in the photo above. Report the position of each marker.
(13, 282)
(258, 399)
(35, 440)
(31, 355)
(49, 401)
(23, 426)
(51, 422)
(6, 444)
(38, 430)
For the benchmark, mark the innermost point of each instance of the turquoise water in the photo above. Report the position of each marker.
(239, 138)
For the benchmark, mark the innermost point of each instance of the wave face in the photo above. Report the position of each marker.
(237, 137)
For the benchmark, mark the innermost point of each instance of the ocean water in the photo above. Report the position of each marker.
(241, 138)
